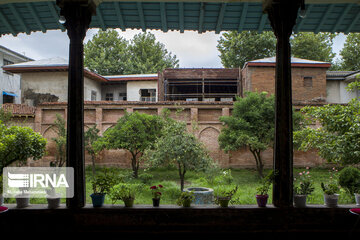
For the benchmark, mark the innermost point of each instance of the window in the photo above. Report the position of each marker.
(122, 96)
(7, 62)
(308, 82)
(109, 97)
(148, 95)
(8, 99)
(93, 95)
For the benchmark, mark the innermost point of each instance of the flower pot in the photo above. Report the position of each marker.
(331, 200)
(357, 198)
(97, 199)
(53, 201)
(186, 203)
(262, 200)
(223, 202)
(300, 201)
(22, 200)
(129, 202)
(156, 202)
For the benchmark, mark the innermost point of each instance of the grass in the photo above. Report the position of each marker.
(246, 179)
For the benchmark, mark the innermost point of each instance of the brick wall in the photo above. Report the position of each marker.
(205, 115)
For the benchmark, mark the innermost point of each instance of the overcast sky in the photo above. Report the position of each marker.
(192, 49)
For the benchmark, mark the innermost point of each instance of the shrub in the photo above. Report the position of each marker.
(349, 178)
(145, 177)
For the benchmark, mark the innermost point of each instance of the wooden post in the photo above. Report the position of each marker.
(282, 15)
(78, 16)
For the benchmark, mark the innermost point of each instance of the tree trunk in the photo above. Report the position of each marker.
(259, 163)
(182, 177)
(93, 164)
(134, 165)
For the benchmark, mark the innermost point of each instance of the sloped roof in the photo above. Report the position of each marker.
(132, 77)
(295, 62)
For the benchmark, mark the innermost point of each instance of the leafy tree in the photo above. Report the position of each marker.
(134, 132)
(90, 138)
(351, 52)
(252, 125)
(149, 56)
(237, 48)
(177, 147)
(106, 53)
(60, 142)
(5, 116)
(19, 144)
(317, 47)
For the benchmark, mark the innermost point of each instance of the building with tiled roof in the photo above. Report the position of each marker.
(336, 83)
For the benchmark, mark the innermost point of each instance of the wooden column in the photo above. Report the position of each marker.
(78, 16)
(282, 15)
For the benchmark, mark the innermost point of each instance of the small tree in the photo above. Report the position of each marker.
(179, 148)
(91, 136)
(5, 116)
(134, 132)
(60, 142)
(252, 125)
(19, 144)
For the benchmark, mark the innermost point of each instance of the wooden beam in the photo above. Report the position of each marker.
(19, 19)
(119, 15)
(243, 17)
(100, 19)
(354, 21)
(323, 19)
(55, 15)
(201, 17)
(163, 16)
(141, 16)
(220, 18)
(262, 22)
(342, 16)
(7, 23)
(181, 16)
(303, 20)
(36, 17)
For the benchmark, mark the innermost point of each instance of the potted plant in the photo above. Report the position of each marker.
(101, 184)
(262, 191)
(223, 197)
(303, 189)
(156, 195)
(349, 179)
(185, 199)
(52, 198)
(124, 192)
(331, 190)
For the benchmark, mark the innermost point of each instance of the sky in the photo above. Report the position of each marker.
(193, 50)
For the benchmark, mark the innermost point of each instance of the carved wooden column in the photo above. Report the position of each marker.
(282, 15)
(78, 16)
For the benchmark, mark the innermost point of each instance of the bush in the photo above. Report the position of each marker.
(349, 178)
(145, 177)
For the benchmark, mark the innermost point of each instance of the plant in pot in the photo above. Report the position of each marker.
(101, 184)
(185, 199)
(262, 190)
(303, 187)
(125, 192)
(156, 194)
(331, 190)
(349, 179)
(223, 195)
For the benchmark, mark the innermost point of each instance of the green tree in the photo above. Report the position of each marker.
(134, 132)
(237, 48)
(19, 144)
(60, 142)
(351, 52)
(107, 53)
(179, 148)
(149, 56)
(317, 47)
(5, 116)
(252, 125)
(90, 138)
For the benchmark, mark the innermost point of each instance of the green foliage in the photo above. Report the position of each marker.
(90, 138)
(134, 132)
(351, 53)
(19, 144)
(179, 148)
(331, 187)
(124, 191)
(303, 184)
(5, 116)
(185, 197)
(317, 47)
(349, 178)
(337, 140)
(146, 177)
(224, 192)
(103, 182)
(266, 183)
(237, 48)
(109, 54)
(60, 142)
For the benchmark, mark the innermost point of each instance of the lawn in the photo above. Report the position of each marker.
(246, 179)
